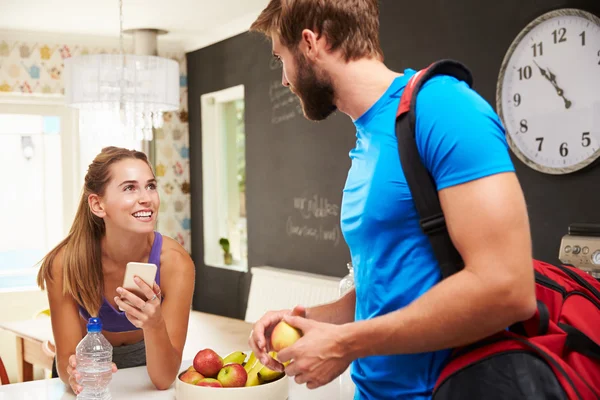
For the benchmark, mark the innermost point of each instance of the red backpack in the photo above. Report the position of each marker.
(553, 355)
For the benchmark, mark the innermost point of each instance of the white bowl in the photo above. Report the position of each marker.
(278, 390)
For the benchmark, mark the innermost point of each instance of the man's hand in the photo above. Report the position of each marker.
(319, 356)
(260, 337)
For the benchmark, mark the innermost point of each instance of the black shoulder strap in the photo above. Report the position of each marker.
(421, 183)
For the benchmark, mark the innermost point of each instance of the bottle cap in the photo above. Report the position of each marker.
(94, 325)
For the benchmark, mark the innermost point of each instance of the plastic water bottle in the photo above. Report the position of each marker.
(345, 380)
(347, 282)
(94, 363)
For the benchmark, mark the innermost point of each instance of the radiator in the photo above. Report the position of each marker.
(276, 289)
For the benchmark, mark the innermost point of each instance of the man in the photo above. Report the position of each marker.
(397, 327)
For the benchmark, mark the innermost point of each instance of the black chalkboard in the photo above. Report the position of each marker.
(296, 169)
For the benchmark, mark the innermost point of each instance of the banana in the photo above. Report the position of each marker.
(268, 375)
(251, 361)
(252, 379)
(237, 357)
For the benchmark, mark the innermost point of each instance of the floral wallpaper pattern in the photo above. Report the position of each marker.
(36, 68)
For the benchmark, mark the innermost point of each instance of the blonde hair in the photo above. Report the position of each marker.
(82, 260)
(349, 25)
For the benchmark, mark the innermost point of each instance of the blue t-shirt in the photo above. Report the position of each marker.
(460, 138)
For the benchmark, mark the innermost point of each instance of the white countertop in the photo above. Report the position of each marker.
(135, 384)
(222, 334)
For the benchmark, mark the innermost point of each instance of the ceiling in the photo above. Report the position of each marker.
(192, 24)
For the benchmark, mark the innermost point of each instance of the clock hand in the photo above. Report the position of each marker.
(542, 71)
(559, 91)
(552, 79)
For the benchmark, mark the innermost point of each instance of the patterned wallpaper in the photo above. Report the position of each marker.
(27, 67)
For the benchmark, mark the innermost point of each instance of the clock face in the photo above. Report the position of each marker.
(548, 94)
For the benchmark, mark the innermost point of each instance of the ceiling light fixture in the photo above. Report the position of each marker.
(123, 94)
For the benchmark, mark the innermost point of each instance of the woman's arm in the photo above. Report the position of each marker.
(65, 322)
(165, 340)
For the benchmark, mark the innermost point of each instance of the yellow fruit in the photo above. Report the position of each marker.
(284, 335)
(268, 375)
(251, 361)
(252, 379)
(237, 357)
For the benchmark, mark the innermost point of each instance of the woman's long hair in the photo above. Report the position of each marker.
(82, 257)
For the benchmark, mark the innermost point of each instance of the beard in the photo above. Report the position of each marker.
(316, 94)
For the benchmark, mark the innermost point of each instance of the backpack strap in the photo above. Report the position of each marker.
(420, 182)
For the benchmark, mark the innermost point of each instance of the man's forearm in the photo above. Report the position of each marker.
(338, 312)
(162, 360)
(459, 310)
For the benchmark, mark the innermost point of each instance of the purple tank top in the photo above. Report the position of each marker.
(114, 320)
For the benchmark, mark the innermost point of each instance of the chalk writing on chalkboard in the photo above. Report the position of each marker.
(316, 218)
(318, 232)
(285, 105)
(316, 207)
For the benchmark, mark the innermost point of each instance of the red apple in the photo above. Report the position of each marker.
(191, 377)
(284, 335)
(208, 363)
(233, 375)
(210, 382)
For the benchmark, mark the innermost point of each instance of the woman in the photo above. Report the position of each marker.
(114, 225)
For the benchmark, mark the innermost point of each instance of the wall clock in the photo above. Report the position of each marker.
(548, 92)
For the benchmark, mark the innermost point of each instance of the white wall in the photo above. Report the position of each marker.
(18, 306)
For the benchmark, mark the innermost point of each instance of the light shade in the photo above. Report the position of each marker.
(136, 88)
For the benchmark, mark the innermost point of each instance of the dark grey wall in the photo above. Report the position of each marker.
(475, 32)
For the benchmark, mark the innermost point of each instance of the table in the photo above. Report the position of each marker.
(32, 336)
(205, 330)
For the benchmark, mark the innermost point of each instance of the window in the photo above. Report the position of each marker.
(224, 179)
(39, 198)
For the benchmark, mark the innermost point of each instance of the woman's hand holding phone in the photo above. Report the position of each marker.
(142, 313)
(140, 297)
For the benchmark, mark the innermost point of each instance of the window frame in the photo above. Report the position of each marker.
(214, 183)
(71, 177)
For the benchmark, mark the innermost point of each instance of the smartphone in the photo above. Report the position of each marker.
(145, 271)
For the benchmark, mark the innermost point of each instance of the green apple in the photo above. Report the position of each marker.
(232, 375)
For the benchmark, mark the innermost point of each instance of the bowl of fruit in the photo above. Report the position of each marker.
(233, 377)
(238, 374)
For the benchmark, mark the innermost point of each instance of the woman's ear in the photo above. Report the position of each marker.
(96, 205)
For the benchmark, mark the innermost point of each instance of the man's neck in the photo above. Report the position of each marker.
(359, 84)
(123, 247)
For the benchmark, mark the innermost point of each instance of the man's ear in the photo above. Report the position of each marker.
(310, 44)
(96, 205)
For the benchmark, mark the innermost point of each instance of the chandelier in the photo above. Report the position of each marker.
(121, 97)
